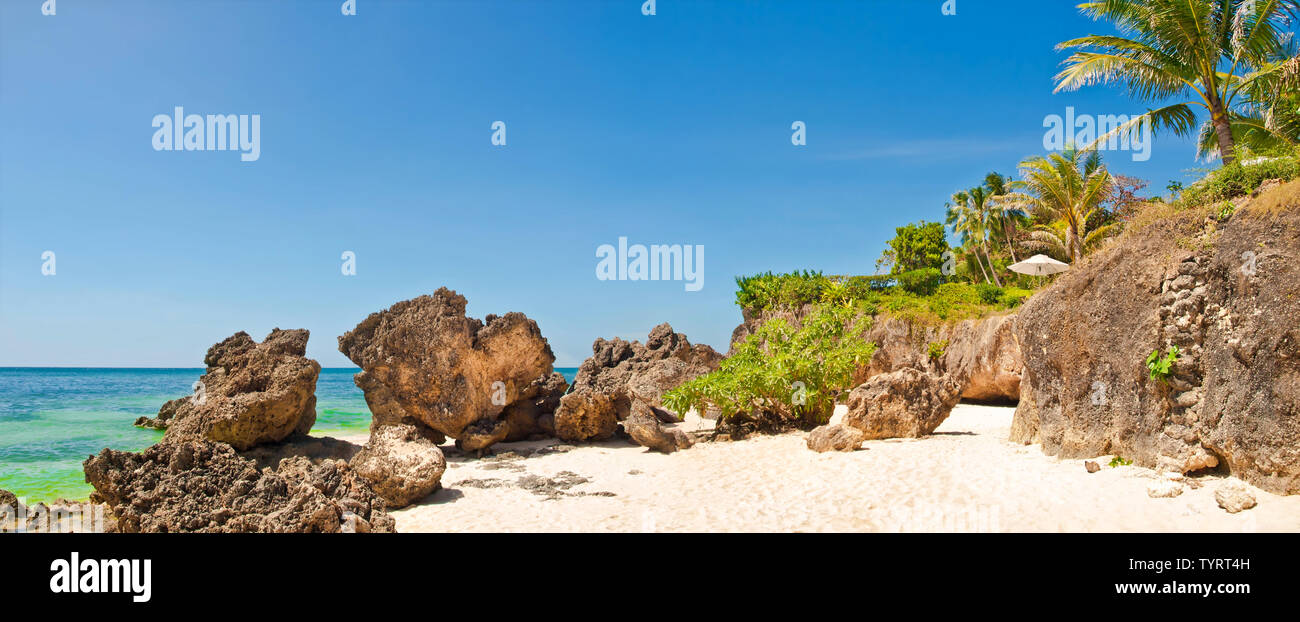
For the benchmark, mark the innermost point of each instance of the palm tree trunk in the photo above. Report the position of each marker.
(1223, 131)
(1008, 233)
(1075, 249)
(992, 269)
(980, 262)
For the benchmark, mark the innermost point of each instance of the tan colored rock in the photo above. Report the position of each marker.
(646, 430)
(586, 415)
(835, 438)
(906, 403)
(252, 393)
(1091, 466)
(425, 363)
(628, 372)
(1234, 497)
(402, 465)
(1234, 396)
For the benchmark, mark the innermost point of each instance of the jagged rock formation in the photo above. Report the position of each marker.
(983, 355)
(619, 374)
(402, 466)
(906, 403)
(204, 486)
(424, 363)
(1225, 295)
(252, 393)
(646, 430)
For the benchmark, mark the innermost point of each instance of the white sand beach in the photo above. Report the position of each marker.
(967, 477)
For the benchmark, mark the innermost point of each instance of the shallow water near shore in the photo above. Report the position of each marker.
(52, 419)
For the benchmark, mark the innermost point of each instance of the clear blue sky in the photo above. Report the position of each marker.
(375, 138)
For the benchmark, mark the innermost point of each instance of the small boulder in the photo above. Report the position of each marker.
(905, 403)
(835, 437)
(1234, 497)
(1164, 488)
(586, 415)
(644, 428)
(402, 465)
(1091, 466)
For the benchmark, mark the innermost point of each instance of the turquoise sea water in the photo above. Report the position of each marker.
(51, 419)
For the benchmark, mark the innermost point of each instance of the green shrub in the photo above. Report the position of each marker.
(760, 381)
(921, 282)
(1013, 297)
(1117, 461)
(1161, 367)
(989, 294)
(1240, 179)
(937, 349)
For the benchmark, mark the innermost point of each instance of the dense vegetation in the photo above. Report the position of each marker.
(920, 295)
(782, 376)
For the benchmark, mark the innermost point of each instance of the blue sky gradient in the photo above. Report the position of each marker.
(375, 138)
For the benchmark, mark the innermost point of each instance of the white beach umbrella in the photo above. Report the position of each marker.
(1039, 265)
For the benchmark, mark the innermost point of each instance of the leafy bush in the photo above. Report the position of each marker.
(1013, 296)
(921, 282)
(937, 349)
(989, 294)
(1161, 367)
(1240, 179)
(1118, 461)
(781, 376)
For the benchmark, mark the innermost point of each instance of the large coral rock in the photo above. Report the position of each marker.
(627, 372)
(586, 415)
(402, 466)
(905, 403)
(646, 430)
(202, 486)
(252, 393)
(1225, 295)
(424, 363)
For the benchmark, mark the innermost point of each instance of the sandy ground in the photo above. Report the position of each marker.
(966, 477)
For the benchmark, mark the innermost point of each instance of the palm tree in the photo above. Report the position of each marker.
(1065, 189)
(1200, 49)
(969, 214)
(1268, 118)
(1007, 214)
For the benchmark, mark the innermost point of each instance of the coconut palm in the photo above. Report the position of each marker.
(1064, 189)
(1208, 51)
(969, 215)
(1007, 215)
(1268, 119)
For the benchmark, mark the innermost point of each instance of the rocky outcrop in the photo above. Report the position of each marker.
(1234, 497)
(402, 466)
(424, 363)
(647, 431)
(835, 437)
(252, 393)
(620, 373)
(204, 486)
(1225, 295)
(533, 414)
(982, 355)
(906, 403)
(586, 415)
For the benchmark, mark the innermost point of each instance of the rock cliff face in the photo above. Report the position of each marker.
(1227, 295)
(252, 393)
(619, 374)
(983, 355)
(424, 363)
(203, 486)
